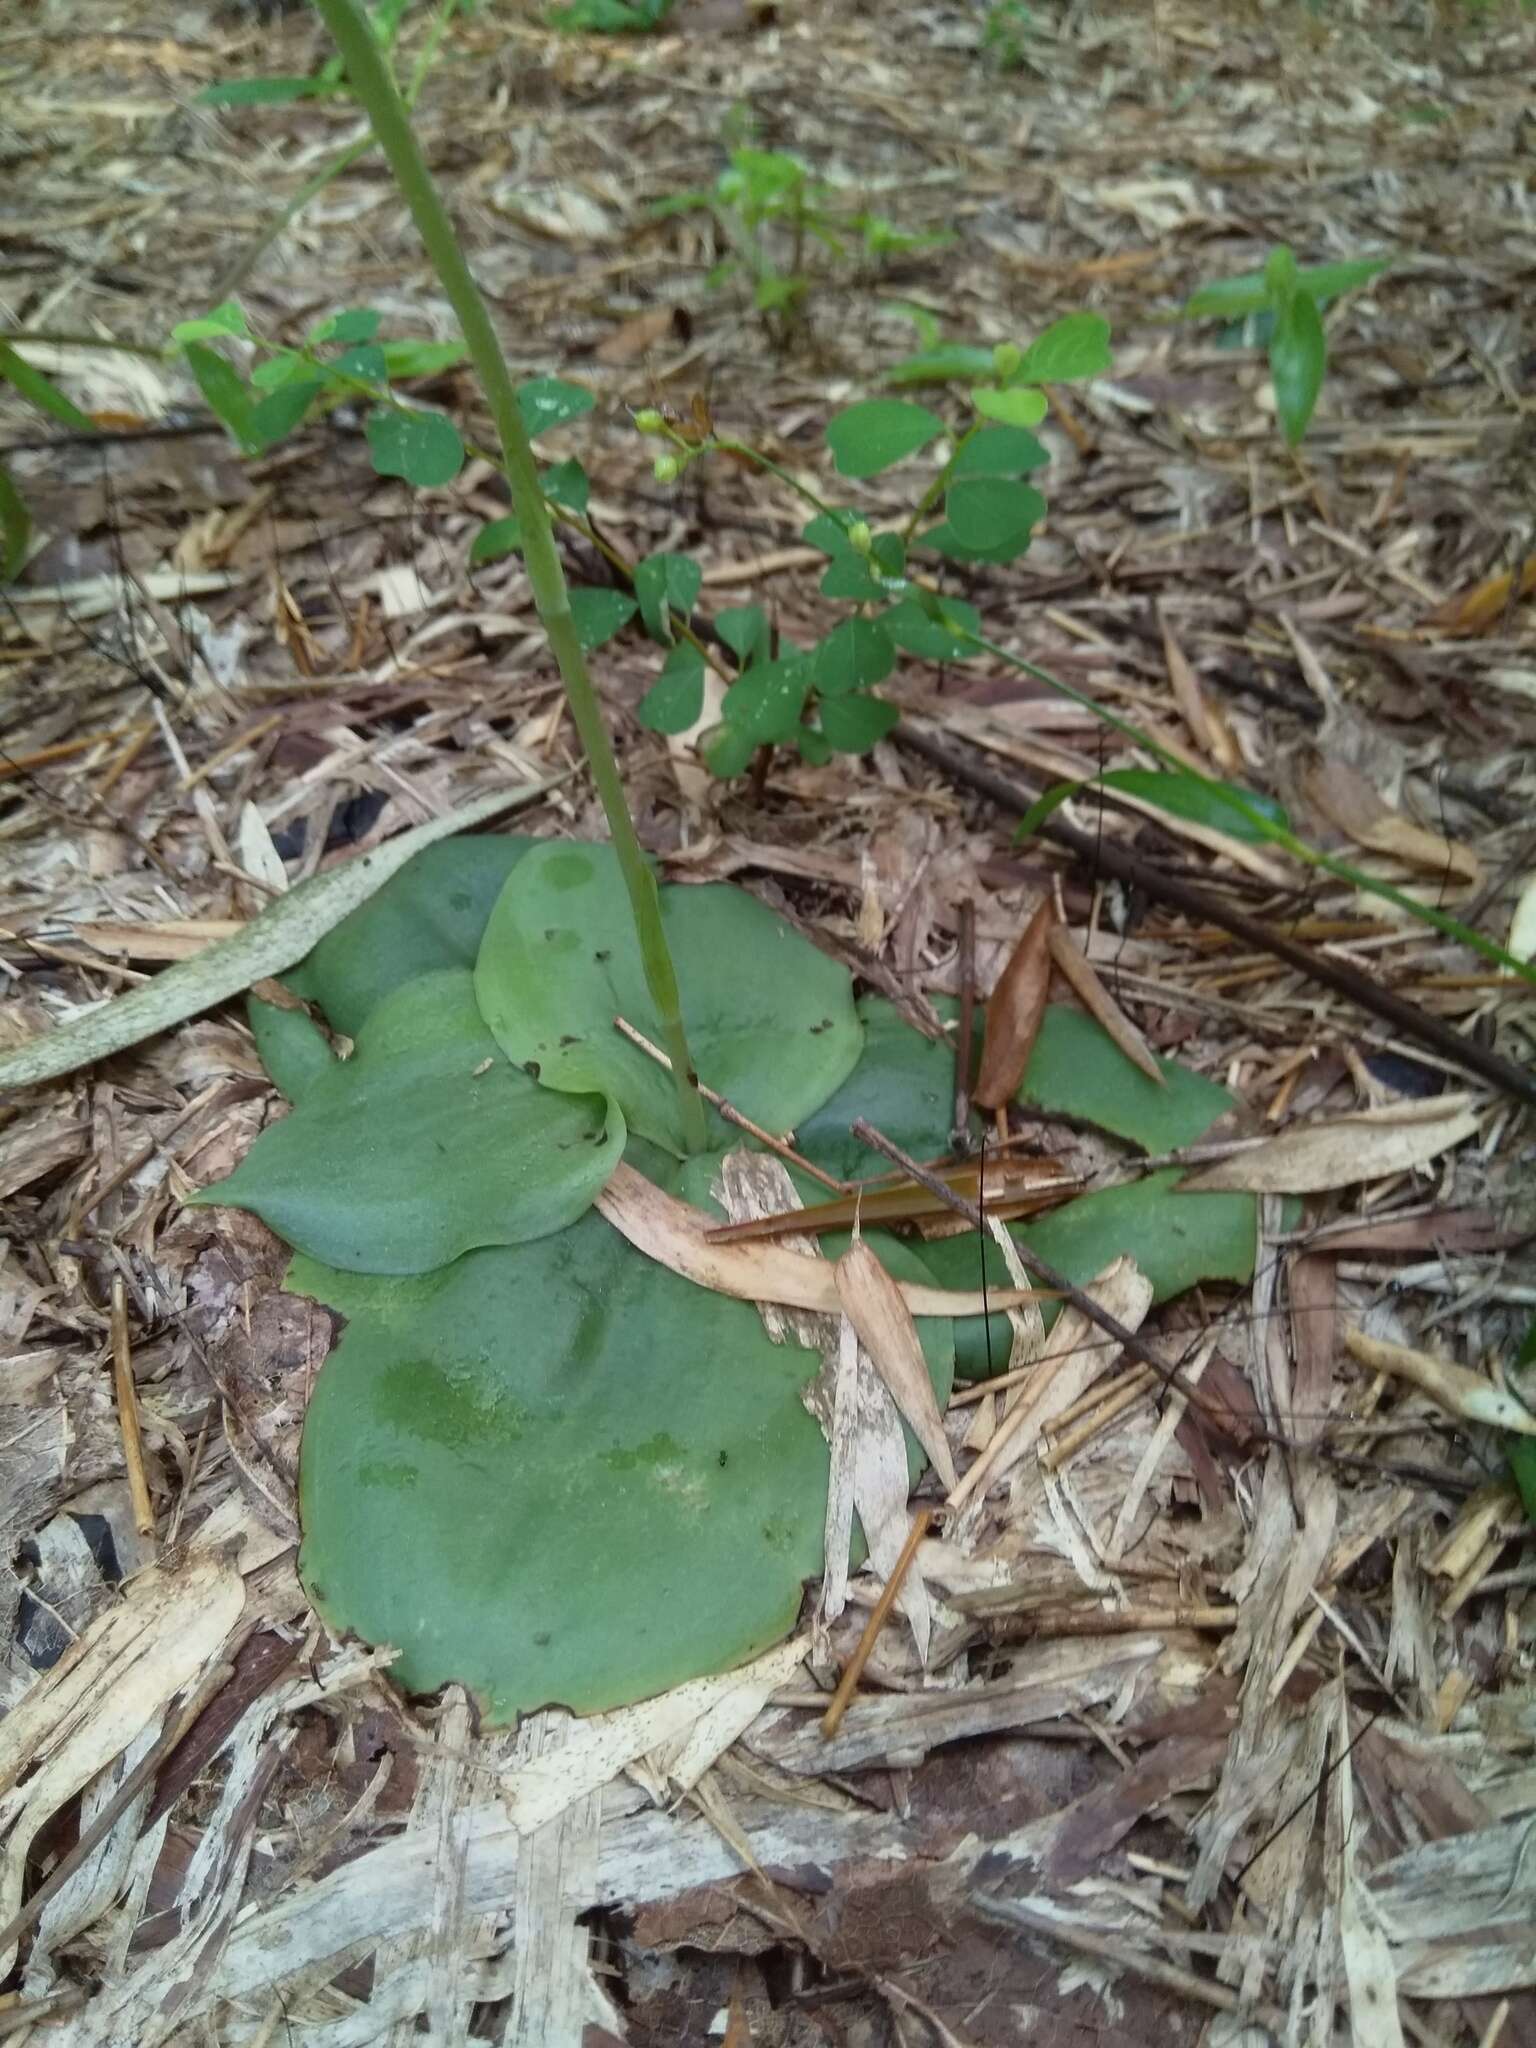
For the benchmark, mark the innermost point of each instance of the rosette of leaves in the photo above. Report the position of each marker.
(539, 1462)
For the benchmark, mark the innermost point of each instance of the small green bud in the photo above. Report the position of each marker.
(650, 421)
(860, 539)
(1006, 359)
(667, 468)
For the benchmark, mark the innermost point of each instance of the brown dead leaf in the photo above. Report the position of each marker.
(1349, 803)
(1343, 1151)
(1207, 728)
(675, 1235)
(1486, 603)
(1096, 999)
(636, 336)
(1014, 1011)
(873, 1304)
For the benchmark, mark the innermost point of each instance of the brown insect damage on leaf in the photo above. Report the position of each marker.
(873, 1304)
(1014, 1010)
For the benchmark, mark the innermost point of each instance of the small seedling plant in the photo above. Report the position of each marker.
(1279, 308)
(769, 212)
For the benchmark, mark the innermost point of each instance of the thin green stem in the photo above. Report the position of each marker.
(940, 483)
(371, 81)
(1265, 827)
(733, 447)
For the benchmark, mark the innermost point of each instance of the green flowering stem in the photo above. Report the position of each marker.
(369, 75)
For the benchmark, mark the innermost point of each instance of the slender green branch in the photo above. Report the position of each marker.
(1267, 829)
(940, 484)
(371, 81)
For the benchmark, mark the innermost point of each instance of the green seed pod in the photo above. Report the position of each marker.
(667, 468)
(650, 421)
(1006, 359)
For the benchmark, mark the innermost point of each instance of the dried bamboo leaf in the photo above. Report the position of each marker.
(873, 1303)
(1078, 970)
(1014, 1011)
(675, 1235)
(1343, 1151)
(1451, 1387)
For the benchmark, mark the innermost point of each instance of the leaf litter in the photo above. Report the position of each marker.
(1241, 1725)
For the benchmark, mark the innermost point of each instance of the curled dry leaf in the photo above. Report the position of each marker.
(675, 1235)
(1343, 1151)
(873, 1304)
(1475, 610)
(1348, 802)
(1079, 972)
(1207, 728)
(1014, 1011)
(1451, 1387)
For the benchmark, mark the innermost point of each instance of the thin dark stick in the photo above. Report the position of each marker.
(1127, 1339)
(965, 969)
(1124, 866)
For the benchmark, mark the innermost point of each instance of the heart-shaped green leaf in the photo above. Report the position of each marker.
(873, 435)
(422, 447)
(676, 698)
(560, 1473)
(993, 512)
(853, 655)
(548, 402)
(770, 1019)
(857, 722)
(912, 627)
(665, 584)
(999, 451)
(426, 1143)
(1077, 346)
(764, 705)
(599, 614)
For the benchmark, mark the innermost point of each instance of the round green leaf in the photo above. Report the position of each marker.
(764, 705)
(853, 655)
(568, 484)
(426, 1143)
(873, 435)
(855, 723)
(993, 512)
(422, 447)
(744, 629)
(561, 1474)
(770, 1019)
(676, 698)
(727, 751)
(1014, 405)
(904, 1085)
(432, 914)
(1077, 1070)
(999, 451)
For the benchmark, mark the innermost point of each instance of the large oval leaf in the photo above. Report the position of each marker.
(432, 914)
(904, 1085)
(560, 1474)
(771, 1021)
(1077, 1070)
(425, 1143)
